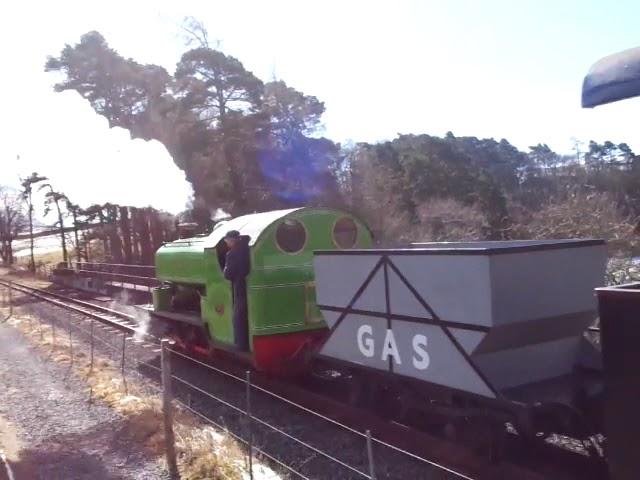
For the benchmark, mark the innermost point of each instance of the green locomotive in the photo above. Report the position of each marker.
(284, 321)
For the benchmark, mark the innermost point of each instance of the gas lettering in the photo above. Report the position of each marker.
(420, 358)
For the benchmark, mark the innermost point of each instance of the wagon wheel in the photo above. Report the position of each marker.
(486, 435)
(557, 418)
(382, 399)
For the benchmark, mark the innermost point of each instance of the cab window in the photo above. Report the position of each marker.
(291, 236)
(345, 233)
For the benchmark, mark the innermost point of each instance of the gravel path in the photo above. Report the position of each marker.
(62, 435)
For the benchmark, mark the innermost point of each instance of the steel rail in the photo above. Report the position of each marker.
(126, 265)
(112, 276)
(66, 302)
(98, 274)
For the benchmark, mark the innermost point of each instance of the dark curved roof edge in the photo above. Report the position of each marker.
(612, 78)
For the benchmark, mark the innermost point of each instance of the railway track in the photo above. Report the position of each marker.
(434, 451)
(112, 318)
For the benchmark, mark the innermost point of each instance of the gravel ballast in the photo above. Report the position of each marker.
(62, 435)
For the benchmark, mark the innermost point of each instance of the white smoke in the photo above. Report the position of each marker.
(93, 163)
(121, 303)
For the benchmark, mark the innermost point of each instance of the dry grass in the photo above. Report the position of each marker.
(26, 278)
(203, 452)
(96, 254)
(49, 258)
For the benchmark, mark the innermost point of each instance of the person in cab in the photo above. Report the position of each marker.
(237, 267)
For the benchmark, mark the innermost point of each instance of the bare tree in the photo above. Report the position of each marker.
(583, 215)
(194, 32)
(75, 212)
(27, 191)
(12, 221)
(92, 213)
(448, 220)
(53, 197)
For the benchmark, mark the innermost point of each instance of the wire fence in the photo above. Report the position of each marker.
(365, 435)
(119, 346)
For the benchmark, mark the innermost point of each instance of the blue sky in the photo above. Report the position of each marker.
(501, 69)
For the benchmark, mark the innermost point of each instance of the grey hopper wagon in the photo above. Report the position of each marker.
(494, 320)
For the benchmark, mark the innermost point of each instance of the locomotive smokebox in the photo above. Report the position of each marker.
(620, 338)
(484, 318)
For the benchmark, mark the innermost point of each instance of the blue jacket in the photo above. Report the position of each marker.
(236, 268)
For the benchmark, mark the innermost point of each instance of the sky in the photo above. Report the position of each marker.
(490, 68)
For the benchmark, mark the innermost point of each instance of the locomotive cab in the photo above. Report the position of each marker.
(284, 320)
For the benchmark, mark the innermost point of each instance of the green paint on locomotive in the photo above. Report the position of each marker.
(281, 292)
(181, 261)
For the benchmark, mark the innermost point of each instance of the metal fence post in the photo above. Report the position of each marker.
(167, 397)
(372, 470)
(250, 430)
(124, 379)
(91, 360)
(10, 295)
(70, 343)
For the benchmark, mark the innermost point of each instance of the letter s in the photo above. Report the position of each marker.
(365, 345)
(421, 359)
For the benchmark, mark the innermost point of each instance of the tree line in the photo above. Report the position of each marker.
(124, 234)
(464, 188)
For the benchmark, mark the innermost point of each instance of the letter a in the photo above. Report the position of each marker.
(390, 348)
